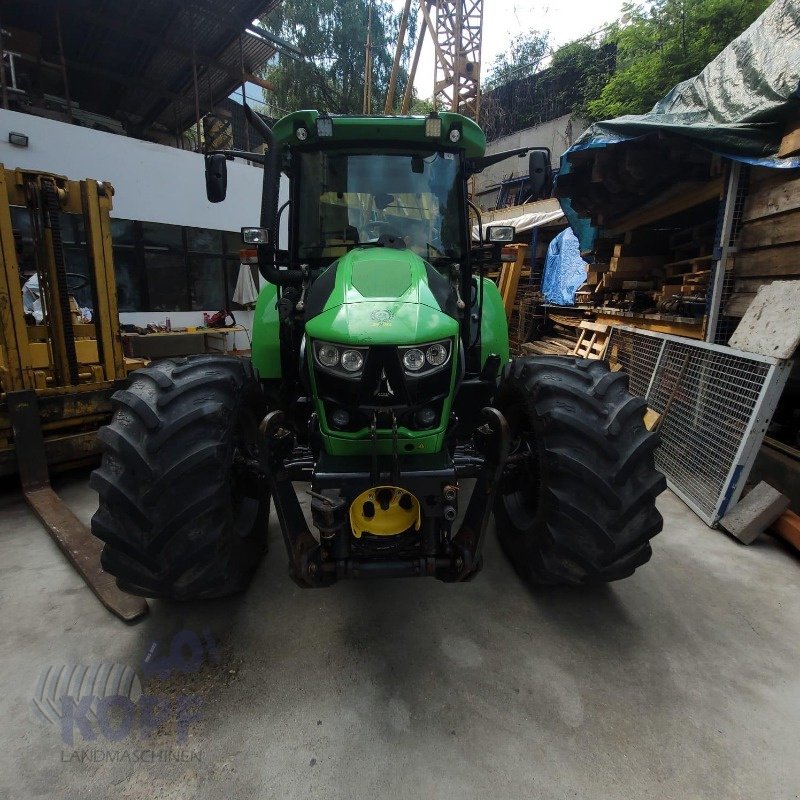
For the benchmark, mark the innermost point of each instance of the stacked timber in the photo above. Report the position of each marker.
(560, 339)
(655, 201)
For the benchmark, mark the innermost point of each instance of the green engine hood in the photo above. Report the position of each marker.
(380, 295)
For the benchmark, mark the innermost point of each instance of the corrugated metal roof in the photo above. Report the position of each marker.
(133, 61)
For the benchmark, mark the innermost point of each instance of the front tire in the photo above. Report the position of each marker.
(576, 504)
(177, 519)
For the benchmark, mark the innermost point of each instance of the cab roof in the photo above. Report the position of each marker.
(413, 130)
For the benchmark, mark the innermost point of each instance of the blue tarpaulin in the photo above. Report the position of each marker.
(564, 269)
(737, 106)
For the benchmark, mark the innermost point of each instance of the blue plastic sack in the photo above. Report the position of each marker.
(564, 270)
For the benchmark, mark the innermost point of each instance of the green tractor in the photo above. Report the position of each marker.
(381, 374)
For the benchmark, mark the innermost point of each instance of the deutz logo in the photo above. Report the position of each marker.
(382, 316)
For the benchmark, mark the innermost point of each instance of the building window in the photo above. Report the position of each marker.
(159, 268)
(165, 268)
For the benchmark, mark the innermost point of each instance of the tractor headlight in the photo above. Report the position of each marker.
(352, 360)
(328, 355)
(436, 355)
(344, 361)
(425, 358)
(414, 360)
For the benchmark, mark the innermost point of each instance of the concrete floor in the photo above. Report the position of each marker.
(680, 682)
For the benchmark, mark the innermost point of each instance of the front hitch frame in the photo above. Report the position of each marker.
(275, 444)
(493, 439)
(309, 560)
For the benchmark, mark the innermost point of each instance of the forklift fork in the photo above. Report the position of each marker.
(71, 535)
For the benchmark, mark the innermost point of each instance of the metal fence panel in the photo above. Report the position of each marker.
(717, 403)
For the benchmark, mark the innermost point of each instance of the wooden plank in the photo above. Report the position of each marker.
(738, 303)
(787, 526)
(689, 330)
(693, 236)
(677, 198)
(750, 285)
(644, 240)
(651, 419)
(641, 247)
(638, 285)
(636, 263)
(773, 198)
(509, 279)
(769, 262)
(790, 143)
(674, 267)
(593, 326)
(783, 229)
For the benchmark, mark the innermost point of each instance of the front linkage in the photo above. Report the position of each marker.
(315, 563)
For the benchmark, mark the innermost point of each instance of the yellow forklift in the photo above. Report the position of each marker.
(59, 364)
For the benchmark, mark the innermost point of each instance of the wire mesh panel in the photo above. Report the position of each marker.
(637, 355)
(716, 404)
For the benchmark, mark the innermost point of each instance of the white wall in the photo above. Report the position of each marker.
(152, 183)
(557, 134)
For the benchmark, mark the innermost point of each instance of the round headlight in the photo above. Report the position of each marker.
(301, 134)
(413, 359)
(352, 360)
(436, 355)
(328, 355)
(455, 135)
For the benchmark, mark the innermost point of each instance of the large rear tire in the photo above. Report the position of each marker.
(177, 518)
(576, 504)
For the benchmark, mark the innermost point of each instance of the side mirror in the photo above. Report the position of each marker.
(500, 234)
(216, 177)
(539, 171)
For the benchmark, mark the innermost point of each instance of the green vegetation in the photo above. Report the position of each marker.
(658, 45)
(522, 59)
(664, 43)
(332, 35)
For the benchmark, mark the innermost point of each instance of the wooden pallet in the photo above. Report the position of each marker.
(592, 340)
(509, 277)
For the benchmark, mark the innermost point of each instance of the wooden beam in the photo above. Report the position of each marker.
(783, 229)
(677, 198)
(787, 526)
(637, 263)
(776, 197)
(116, 77)
(109, 23)
(790, 143)
(769, 262)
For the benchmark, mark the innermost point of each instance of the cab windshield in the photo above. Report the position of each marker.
(350, 199)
